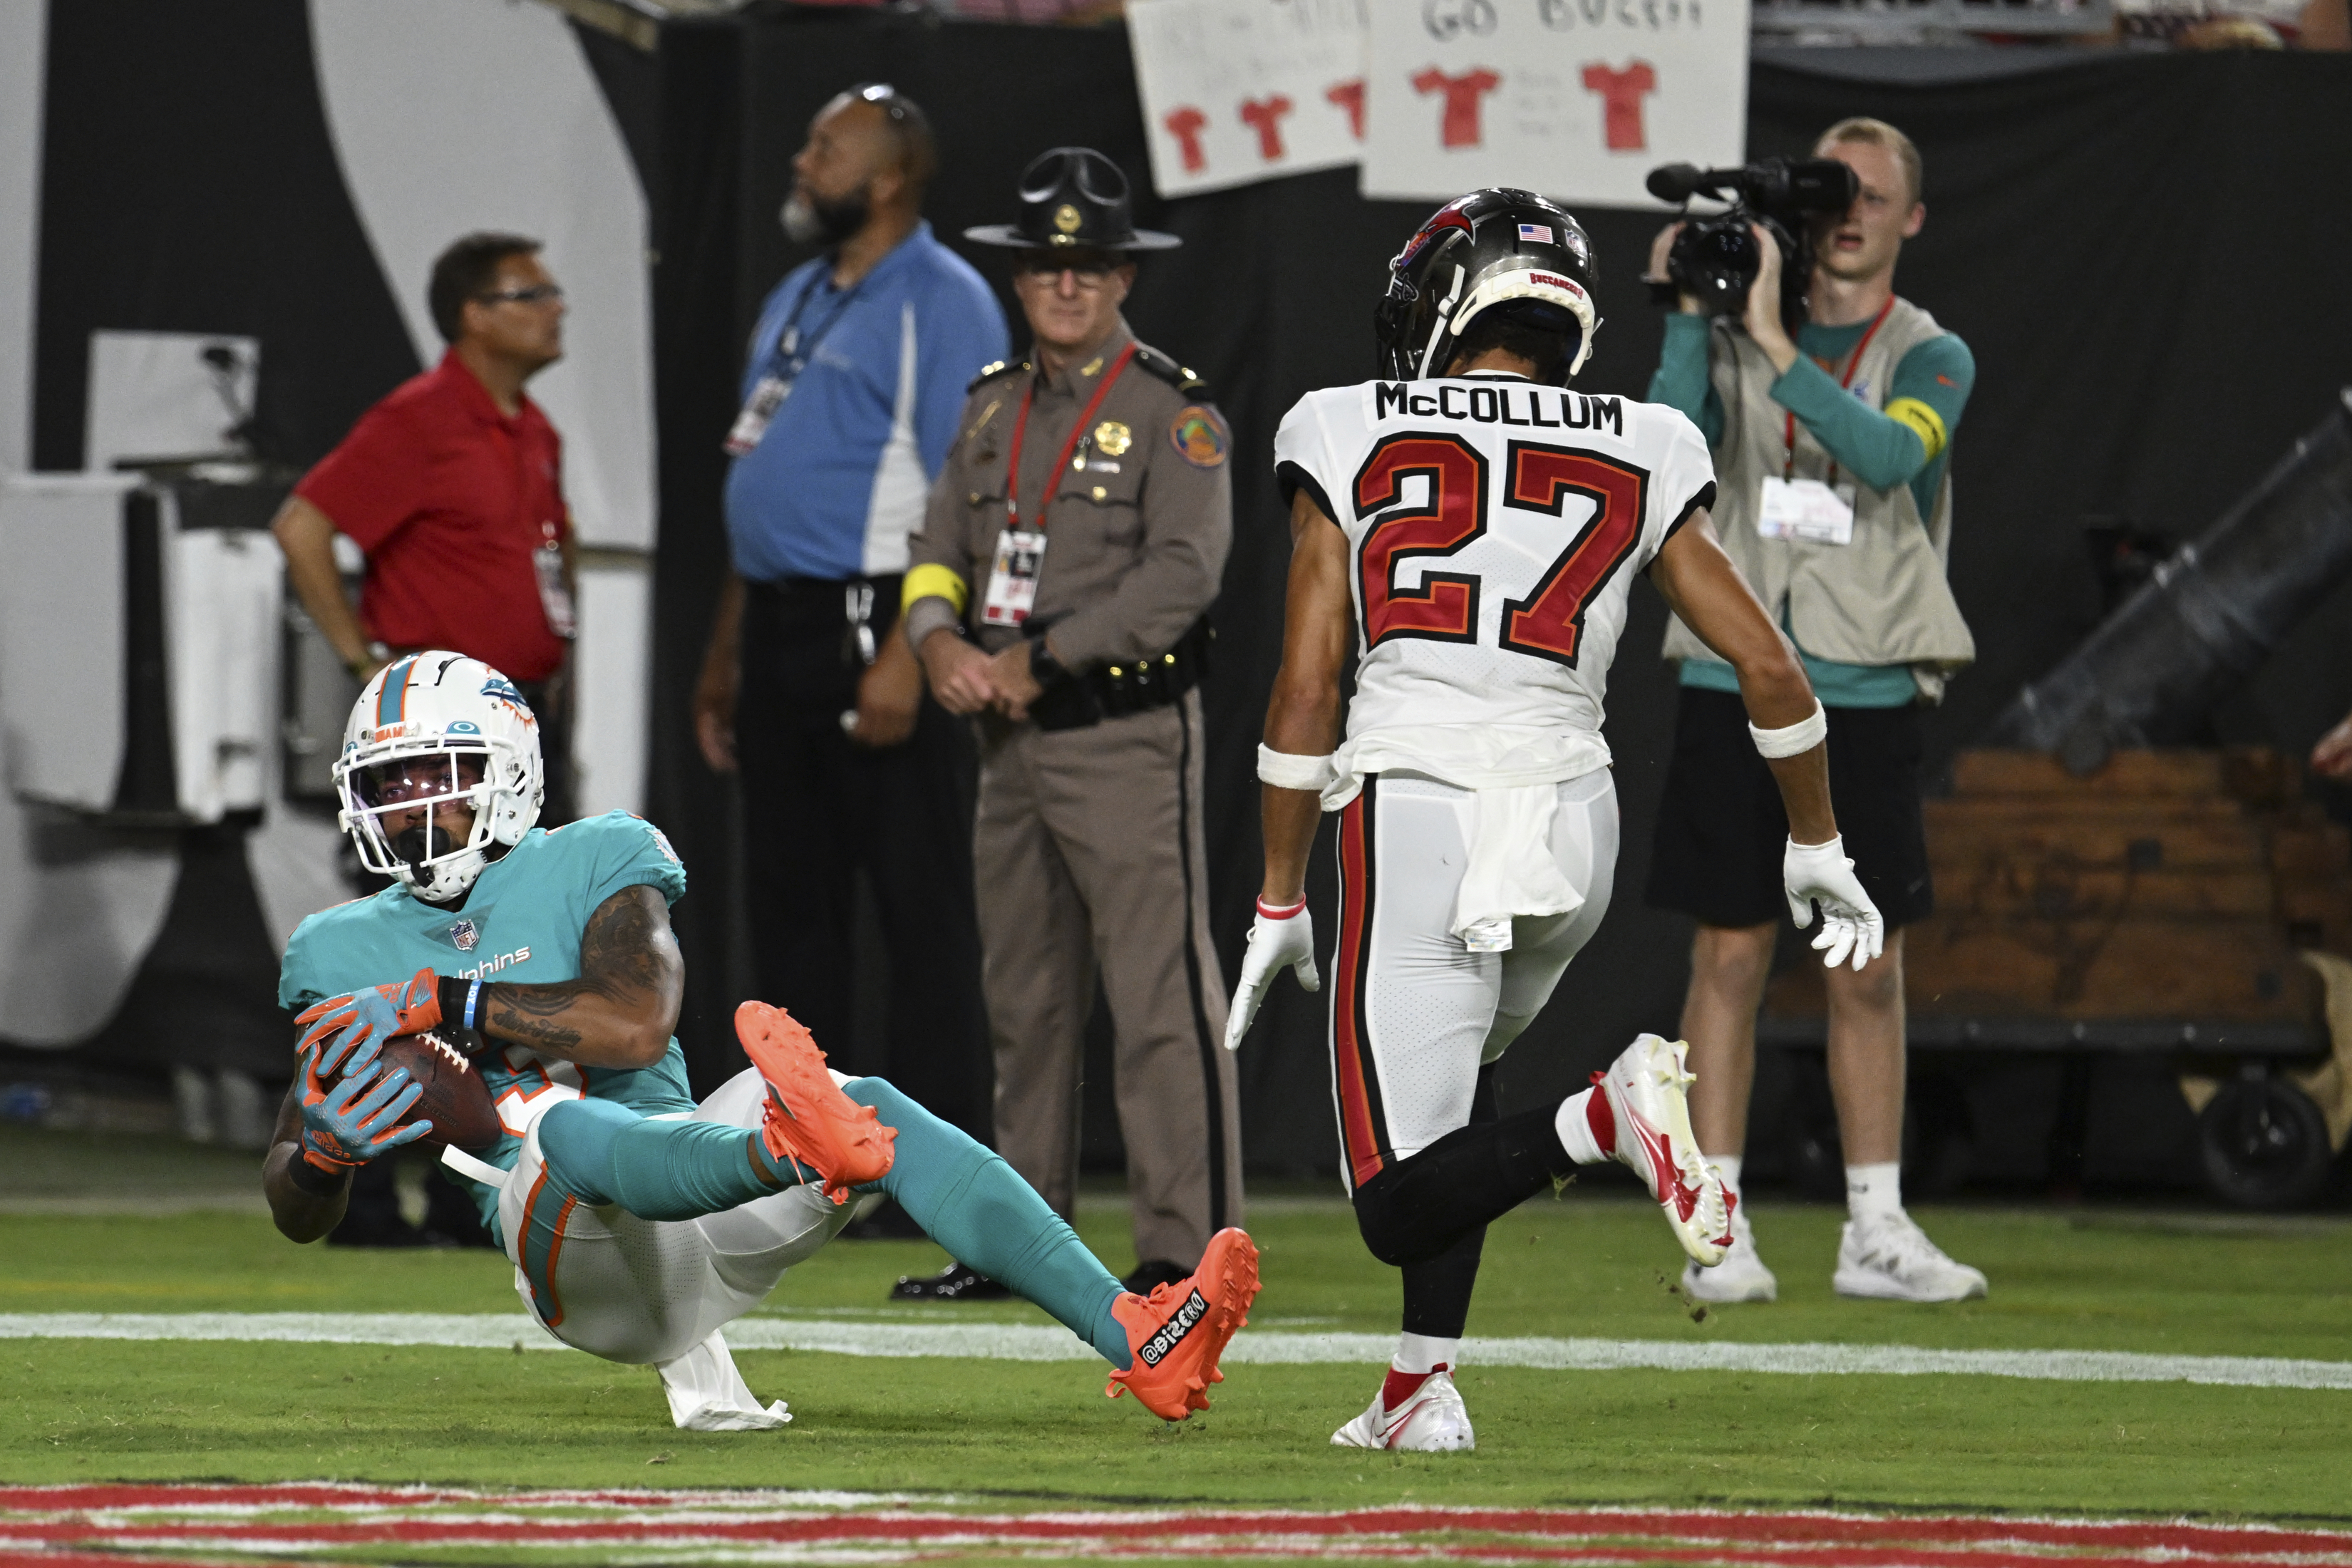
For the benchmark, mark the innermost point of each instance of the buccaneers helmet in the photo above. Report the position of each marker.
(1492, 249)
(434, 730)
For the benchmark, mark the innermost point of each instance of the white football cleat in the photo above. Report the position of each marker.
(1433, 1421)
(1741, 1276)
(1645, 1086)
(1891, 1260)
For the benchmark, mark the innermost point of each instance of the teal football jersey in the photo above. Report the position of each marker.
(521, 922)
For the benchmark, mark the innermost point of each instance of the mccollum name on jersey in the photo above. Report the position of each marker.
(1535, 407)
(1493, 527)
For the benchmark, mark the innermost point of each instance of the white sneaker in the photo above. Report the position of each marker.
(1645, 1086)
(1741, 1276)
(1891, 1260)
(1432, 1422)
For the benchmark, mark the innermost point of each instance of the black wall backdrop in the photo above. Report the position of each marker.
(2145, 253)
(2134, 247)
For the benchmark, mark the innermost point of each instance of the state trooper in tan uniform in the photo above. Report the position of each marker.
(1058, 590)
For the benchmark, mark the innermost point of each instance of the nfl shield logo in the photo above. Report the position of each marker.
(465, 933)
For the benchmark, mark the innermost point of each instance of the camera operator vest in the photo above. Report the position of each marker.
(1880, 599)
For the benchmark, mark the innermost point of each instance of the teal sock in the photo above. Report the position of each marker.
(972, 1203)
(601, 1152)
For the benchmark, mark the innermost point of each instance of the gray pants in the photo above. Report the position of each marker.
(1088, 854)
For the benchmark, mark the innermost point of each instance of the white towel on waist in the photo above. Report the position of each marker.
(1511, 871)
(1514, 776)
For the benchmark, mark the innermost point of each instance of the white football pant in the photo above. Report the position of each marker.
(644, 1291)
(1415, 1012)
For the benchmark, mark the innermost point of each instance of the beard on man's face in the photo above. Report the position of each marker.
(811, 219)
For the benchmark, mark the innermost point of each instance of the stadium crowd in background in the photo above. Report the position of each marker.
(809, 690)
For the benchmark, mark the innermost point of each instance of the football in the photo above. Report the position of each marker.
(454, 1100)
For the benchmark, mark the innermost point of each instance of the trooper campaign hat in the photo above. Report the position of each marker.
(1073, 197)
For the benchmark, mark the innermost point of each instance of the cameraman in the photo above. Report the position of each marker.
(1862, 402)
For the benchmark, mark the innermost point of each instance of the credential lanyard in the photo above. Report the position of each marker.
(795, 352)
(1054, 474)
(1853, 363)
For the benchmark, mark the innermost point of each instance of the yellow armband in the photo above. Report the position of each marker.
(929, 581)
(1924, 421)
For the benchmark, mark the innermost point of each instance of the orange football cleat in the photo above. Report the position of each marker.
(1180, 1331)
(810, 1121)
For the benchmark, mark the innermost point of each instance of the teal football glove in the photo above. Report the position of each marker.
(355, 1028)
(354, 1119)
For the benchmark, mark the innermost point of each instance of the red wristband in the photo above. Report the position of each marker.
(1279, 912)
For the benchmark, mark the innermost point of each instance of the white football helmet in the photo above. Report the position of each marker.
(430, 729)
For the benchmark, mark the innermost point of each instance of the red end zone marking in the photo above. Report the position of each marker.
(227, 1518)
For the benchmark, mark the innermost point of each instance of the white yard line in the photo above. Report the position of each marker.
(1015, 1342)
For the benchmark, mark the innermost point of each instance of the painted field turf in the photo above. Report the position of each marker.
(1022, 1436)
(71, 1527)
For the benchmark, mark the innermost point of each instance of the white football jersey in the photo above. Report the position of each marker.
(1494, 529)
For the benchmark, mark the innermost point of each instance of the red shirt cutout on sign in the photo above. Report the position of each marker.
(1185, 124)
(1266, 116)
(1349, 96)
(1621, 93)
(1462, 95)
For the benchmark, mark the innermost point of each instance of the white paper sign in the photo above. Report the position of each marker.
(1237, 90)
(1576, 99)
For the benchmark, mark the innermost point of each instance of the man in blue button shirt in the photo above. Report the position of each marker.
(851, 389)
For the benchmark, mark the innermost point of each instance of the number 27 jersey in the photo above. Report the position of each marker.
(1494, 529)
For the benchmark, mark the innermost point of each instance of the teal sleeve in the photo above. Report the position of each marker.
(1681, 381)
(296, 989)
(626, 851)
(1877, 449)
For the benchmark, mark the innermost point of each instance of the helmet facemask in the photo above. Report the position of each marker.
(436, 732)
(392, 806)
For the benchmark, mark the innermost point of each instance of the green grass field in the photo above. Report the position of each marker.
(1592, 1262)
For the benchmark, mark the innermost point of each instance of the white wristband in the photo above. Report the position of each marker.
(1288, 770)
(1801, 736)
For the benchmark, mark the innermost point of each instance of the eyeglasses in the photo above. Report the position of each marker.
(536, 294)
(1090, 273)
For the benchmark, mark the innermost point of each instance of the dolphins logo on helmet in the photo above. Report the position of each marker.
(435, 731)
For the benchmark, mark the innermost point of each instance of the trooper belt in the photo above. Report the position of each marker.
(1088, 697)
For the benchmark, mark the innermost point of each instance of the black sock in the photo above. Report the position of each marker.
(1438, 1290)
(1420, 1208)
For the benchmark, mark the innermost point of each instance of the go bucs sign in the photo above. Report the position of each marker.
(1577, 99)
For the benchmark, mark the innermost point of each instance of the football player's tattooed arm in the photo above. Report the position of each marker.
(622, 1009)
(305, 1202)
(1302, 717)
(1701, 585)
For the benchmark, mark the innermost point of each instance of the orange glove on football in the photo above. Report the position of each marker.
(356, 1026)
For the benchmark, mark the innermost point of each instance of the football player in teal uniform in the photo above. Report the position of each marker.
(639, 1221)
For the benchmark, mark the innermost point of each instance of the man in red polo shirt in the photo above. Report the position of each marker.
(452, 486)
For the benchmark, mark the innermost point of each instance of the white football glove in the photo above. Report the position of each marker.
(1274, 945)
(1850, 923)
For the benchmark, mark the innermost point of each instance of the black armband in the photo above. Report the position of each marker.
(464, 1006)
